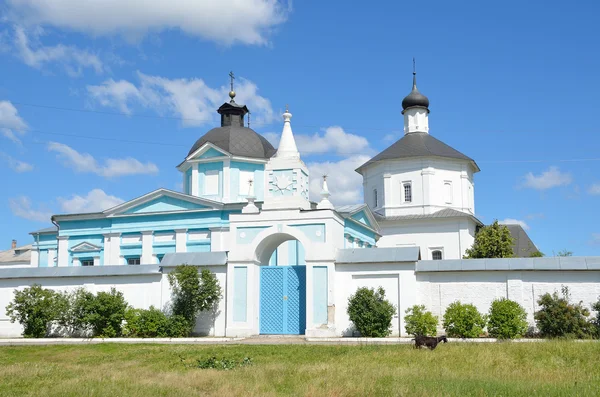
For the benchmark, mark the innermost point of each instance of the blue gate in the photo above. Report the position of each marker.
(283, 300)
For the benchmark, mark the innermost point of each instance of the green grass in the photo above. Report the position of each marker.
(453, 369)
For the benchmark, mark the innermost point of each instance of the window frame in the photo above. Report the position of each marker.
(134, 258)
(448, 198)
(433, 250)
(82, 260)
(406, 184)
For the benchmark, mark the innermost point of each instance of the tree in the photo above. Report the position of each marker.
(536, 254)
(564, 253)
(493, 241)
(370, 312)
(193, 293)
(34, 308)
(558, 317)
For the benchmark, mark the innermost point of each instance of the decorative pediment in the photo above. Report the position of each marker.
(207, 151)
(362, 217)
(161, 201)
(85, 247)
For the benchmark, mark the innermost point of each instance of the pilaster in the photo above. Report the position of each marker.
(147, 240)
(426, 180)
(63, 251)
(181, 240)
(195, 188)
(227, 181)
(35, 258)
(51, 257)
(96, 261)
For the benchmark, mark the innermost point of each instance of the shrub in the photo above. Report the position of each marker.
(103, 314)
(193, 293)
(595, 322)
(370, 312)
(420, 322)
(72, 311)
(34, 308)
(507, 319)
(558, 317)
(153, 323)
(463, 321)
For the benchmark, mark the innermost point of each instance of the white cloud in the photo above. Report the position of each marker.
(511, 221)
(247, 22)
(36, 55)
(553, 177)
(594, 189)
(95, 201)
(191, 99)
(16, 165)
(85, 162)
(21, 207)
(12, 125)
(333, 140)
(344, 183)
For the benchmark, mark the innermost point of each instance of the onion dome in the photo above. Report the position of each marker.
(415, 98)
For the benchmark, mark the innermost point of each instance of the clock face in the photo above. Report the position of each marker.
(283, 182)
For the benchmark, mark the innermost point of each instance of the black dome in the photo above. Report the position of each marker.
(415, 98)
(237, 140)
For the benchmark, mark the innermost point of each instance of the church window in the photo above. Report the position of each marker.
(87, 262)
(407, 192)
(436, 255)
(448, 192)
(245, 176)
(211, 182)
(375, 199)
(133, 260)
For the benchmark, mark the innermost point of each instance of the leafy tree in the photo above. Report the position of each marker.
(558, 317)
(193, 293)
(463, 321)
(595, 322)
(564, 253)
(493, 241)
(34, 308)
(507, 319)
(536, 254)
(103, 313)
(420, 322)
(370, 312)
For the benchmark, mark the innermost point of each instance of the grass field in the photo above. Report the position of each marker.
(459, 369)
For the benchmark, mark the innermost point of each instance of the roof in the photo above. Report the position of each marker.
(195, 258)
(378, 255)
(445, 213)
(516, 264)
(19, 254)
(47, 230)
(238, 141)
(418, 144)
(415, 98)
(523, 247)
(347, 211)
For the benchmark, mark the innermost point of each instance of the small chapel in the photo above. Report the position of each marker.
(286, 264)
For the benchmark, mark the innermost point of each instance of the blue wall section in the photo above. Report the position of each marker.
(234, 178)
(210, 153)
(240, 287)
(356, 230)
(164, 203)
(188, 182)
(43, 258)
(320, 294)
(314, 232)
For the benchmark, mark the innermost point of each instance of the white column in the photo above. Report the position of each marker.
(227, 181)
(63, 251)
(76, 262)
(181, 240)
(51, 256)
(219, 239)
(35, 258)
(96, 261)
(112, 249)
(107, 249)
(195, 191)
(147, 239)
(426, 180)
(387, 192)
(464, 189)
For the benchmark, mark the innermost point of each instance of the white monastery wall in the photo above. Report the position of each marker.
(451, 236)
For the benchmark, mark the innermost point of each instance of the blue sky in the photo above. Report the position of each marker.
(100, 102)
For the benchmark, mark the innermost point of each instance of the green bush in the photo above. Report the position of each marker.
(153, 323)
(370, 312)
(507, 319)
(35, 308)
(595, 322)
(193, 293)
(559, 318)
(72, 308)
(420, 322)
(463, 321)
(103, 313)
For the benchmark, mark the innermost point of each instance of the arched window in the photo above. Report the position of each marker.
(436, 255)
(375, 201)
(448, 192)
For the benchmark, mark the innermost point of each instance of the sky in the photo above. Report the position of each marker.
(100, 100)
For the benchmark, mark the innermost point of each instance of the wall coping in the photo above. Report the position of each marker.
(80, 271)
(511, 264)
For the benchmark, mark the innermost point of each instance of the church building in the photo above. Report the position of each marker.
(286, 265)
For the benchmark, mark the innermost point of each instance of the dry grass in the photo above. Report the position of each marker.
(510, 369)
